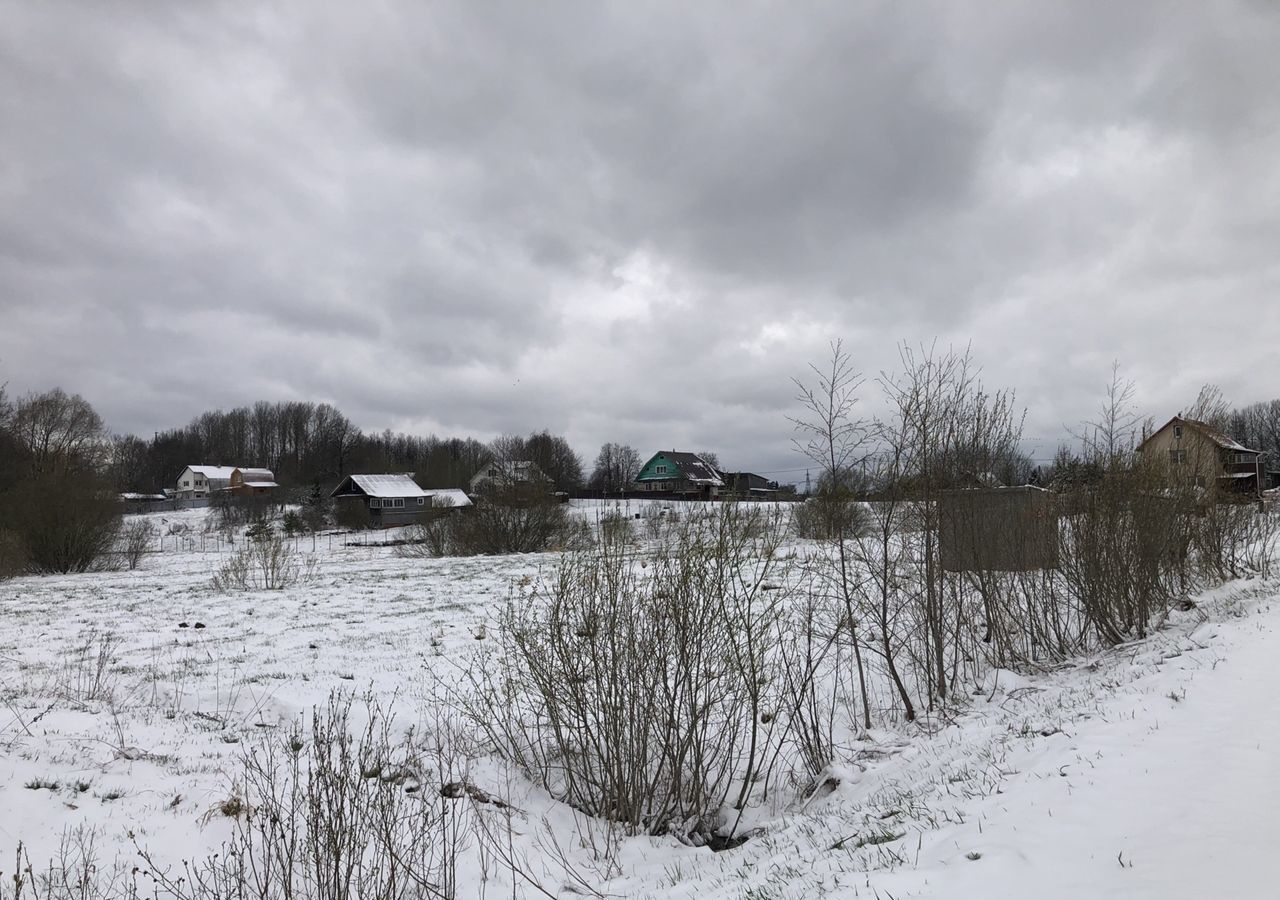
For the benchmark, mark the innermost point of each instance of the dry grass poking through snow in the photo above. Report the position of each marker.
(208, 736)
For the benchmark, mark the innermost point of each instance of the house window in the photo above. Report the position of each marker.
(1177, 456)
(186, 484)
(660, 470)
(421, 500)
(375, 503)
(1177, 431)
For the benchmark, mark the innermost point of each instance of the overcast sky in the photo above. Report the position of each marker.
(633, 221)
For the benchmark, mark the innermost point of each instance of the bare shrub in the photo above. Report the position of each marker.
(646, 695)
(266, 564)
(1122, 553)
(430, 538)
(331, 815)
(510, 519)
(433, 535)
(63, 524)
(76, 872)
(1233, 539)
(232, 511)
(13, 556)
(135, 538)
(826, 517)
(616, 528)
(88, 673)
(351, 514)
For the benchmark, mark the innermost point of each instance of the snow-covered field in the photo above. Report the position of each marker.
(128, 699)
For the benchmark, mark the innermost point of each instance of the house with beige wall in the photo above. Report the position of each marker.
(1203, 454)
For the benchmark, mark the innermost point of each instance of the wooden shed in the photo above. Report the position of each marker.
(1011, 529)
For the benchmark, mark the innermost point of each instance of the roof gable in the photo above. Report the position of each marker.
(1205, 430)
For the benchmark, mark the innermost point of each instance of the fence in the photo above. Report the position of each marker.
(217, 542)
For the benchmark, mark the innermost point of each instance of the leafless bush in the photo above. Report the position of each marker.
(616, 528)
(330, 815)
(266, 564)
(824, 517)
(233, 512)
(13, 557)
(88, 672)
(135, 538)
(432, 537)
(647, 695)
(510, 519)
(63, 524)
(1121, 555)
(1233, 539)
(1261, 537)
(75, 873)
(351, 514)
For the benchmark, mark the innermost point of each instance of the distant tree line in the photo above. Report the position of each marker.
(303, 442)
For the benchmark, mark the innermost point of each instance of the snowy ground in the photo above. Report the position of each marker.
(1148, 771)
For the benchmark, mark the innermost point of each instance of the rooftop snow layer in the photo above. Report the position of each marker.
(222, 472)
(388, 485)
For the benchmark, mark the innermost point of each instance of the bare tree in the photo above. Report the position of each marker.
(556, 459)
(1109, 439)
(59, 432)
(615, 468)
(1211, 408)
(829, 435)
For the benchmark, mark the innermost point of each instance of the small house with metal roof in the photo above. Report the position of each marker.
(396, 499)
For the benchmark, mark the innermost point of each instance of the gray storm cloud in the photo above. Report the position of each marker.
(632, 222)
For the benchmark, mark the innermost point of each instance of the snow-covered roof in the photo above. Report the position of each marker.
(261, 484)
(448, 497)
(223, 472)
(401, 485)
(257, 475)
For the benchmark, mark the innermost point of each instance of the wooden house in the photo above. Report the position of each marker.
(516, 473)
(395, 499)
(749, 485)
(1194, 450)
(200, 482)
(684, 474)
(245, 482)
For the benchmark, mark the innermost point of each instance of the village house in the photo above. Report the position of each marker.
(747, 485)
(251, 482)
(685, 474)
(522, 473)
(395, 499)
(199, 482)
(1199, 452)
